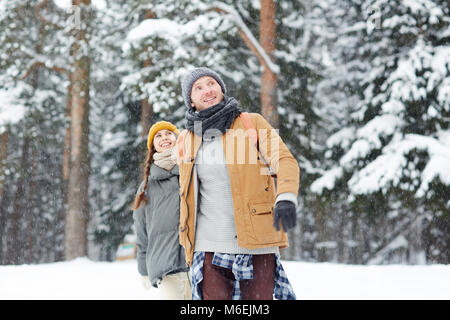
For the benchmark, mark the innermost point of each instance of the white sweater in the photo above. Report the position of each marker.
(215, 226)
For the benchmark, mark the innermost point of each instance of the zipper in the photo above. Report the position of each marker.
(195, 204)
(187, 207)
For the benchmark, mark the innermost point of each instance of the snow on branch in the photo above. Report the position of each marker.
(379, 176)
(43, 20)
(247, 36)
(11, 109)
(37, 64)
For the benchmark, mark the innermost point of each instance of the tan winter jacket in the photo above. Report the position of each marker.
(252, 188)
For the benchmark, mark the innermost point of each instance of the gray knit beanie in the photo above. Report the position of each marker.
(194, 75)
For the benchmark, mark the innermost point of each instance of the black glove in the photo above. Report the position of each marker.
(284, 212)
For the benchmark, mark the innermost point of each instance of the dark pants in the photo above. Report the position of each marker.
(218, 282)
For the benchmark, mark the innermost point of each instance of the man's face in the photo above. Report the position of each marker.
(206, 92)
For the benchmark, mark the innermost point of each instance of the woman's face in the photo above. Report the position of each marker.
(164, 139)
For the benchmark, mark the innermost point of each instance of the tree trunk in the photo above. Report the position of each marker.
(321, 228)
(59, 255)
(146, 116)
(78, 202)
(30, 235)
(15, 243)
(20, 243)
(30, 218)
(67, 140)
(4, 137)
(269, 79)
(357, 249)
(146, 107)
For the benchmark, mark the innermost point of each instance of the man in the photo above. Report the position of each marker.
(230, 213)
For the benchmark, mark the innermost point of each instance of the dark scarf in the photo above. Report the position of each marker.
(218, 117)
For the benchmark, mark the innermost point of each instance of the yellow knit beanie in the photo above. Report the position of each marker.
(160, 125)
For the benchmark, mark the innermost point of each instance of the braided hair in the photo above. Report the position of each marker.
(148, 162)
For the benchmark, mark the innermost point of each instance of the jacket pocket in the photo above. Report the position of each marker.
(261, 217)
(260, 208)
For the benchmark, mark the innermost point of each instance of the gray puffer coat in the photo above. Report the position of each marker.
(156, 222)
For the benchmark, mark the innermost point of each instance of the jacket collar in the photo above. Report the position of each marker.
(157, 173)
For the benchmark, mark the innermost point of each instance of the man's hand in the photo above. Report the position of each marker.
(284, 214)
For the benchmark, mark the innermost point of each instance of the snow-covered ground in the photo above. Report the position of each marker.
(85, 279)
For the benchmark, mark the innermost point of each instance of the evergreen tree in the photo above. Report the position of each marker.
(118, 148)
(117, 172)
(387, 158)
(31, 205)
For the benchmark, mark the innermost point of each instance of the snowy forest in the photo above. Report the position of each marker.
(361, 96)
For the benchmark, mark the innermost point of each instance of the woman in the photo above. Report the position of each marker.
(160, 257)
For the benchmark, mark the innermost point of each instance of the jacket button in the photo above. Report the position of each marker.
(253, 210)
(181, 228)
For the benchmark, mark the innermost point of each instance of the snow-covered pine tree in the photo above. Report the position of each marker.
(331, 229)
(299, 28)
(31, 203)
(118, 148)
(389, 165)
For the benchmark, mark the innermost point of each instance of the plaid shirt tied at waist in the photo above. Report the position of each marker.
(242, 267)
